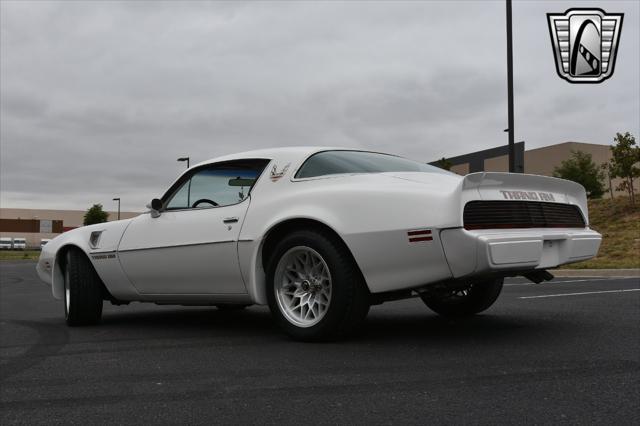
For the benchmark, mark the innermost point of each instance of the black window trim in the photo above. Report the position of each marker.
(169, 193)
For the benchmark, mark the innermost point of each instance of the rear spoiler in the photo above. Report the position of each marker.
(518, 186)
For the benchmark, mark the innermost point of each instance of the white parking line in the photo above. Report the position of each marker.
(570, 281)
(578, 294)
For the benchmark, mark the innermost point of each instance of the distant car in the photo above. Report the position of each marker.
(44, 241)
(320, 235)
(19, 243)
(6, 243)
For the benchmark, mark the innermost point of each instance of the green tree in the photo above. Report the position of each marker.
(95, 215)
(625, 156)
(607, 171)
(443, 163)
(580, 168)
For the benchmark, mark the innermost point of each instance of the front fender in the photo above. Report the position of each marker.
(51, 260)
(49, 266)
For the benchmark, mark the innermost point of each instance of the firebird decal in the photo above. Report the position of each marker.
(276, 175)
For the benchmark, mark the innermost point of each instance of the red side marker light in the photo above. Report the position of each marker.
(419, 235)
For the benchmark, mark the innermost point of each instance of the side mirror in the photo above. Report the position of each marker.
(155, 206)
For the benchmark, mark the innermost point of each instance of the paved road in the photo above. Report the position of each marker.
(573, 358)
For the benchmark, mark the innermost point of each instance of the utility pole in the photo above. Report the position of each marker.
(184, 159)
(118, 200)
(512, 156)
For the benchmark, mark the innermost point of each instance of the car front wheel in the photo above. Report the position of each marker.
(82, 290)
(315, 290)
(475, 298)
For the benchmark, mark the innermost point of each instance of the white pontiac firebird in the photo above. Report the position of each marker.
(320, 235)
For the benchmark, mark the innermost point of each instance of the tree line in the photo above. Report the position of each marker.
(624, 164)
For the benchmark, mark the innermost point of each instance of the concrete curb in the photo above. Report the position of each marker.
(630, 273)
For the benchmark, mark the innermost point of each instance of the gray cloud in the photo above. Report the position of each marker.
(98, 99)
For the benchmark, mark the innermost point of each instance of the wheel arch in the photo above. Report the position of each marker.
(274, 234)
(58, 271)
(59, 264)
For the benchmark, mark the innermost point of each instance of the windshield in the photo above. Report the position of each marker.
(338, 162)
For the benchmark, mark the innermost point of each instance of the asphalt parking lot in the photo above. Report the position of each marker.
(561, 352)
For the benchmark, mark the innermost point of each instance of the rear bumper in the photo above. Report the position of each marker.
(487, 251)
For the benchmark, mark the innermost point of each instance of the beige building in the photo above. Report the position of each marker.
(35, 225)
(542, 161)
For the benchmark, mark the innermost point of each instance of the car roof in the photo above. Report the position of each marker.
(275, 153)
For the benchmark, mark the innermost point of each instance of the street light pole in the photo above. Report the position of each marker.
(184, 159)
(512, 164)
(118, 200)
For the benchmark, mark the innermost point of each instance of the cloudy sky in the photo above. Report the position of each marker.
(99, 98)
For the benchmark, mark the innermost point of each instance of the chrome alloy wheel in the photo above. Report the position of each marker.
(302, 284)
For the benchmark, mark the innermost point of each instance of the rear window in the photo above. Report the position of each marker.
(339, 162)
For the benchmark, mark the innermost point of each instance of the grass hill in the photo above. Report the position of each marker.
(619, 223)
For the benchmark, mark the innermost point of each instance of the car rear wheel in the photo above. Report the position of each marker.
(476, 297)
(315, 290)
(82, 290)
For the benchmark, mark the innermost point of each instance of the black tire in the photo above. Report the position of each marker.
(349, 302)
(478, 297)
(83, 290)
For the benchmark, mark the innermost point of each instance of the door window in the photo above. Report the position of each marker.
(216, 185)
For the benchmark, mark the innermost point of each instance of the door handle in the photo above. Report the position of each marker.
(230, 220)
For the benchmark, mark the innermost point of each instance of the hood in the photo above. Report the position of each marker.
(106, 237)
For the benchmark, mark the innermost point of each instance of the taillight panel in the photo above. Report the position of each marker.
(497, 214)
